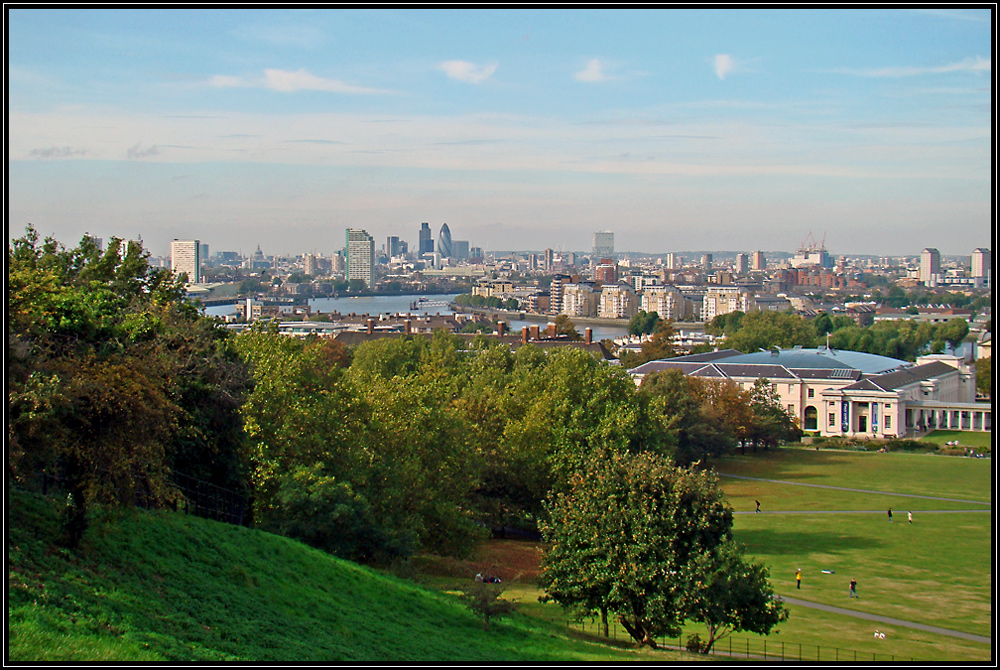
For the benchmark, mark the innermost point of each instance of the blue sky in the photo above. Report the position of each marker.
(522, 129)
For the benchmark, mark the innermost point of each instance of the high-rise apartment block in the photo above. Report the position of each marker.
(185, 258)
(930, 266)
(757, 261)
(618, 301)
(360, 256)
(606, 271)
(725, 299)
(742, 265)
(982, 263)
(667, 301)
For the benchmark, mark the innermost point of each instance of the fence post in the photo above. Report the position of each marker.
(748, 647)
(782, 650)
(765, 650)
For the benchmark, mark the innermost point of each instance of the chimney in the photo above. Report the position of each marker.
(501, 328)
(371, 325)
(408, 326)
(534, 332)
(550, 330)
(524, 335)
(588, 336)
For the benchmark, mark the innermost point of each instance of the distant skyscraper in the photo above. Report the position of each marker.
(548, 259)
(604, 246)
(309, 265)
(758, 262)
(706, 263)
(360, 256)
(460, 248)
(426, 245)
(982, 263)
(203, 252)
(392, 246)
(185, 258)
(444, 241)
(930, 266)
(742, 264)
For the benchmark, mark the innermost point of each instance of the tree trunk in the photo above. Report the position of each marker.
(604, 621)
(638, 633)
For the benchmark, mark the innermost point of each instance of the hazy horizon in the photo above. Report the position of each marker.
(528, 128)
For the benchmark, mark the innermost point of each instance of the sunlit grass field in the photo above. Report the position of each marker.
(937, 570)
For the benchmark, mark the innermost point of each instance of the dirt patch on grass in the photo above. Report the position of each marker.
(513, 561)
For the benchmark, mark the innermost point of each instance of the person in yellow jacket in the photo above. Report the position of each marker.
(798, 578)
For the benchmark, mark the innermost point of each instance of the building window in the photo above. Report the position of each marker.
(791, 409)
(833, 420)
(774, 388)
(812, 392)
(791, 388)
(888, 421)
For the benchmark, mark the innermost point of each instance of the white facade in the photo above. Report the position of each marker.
(618, 301)
(930, 266)
(725, 299)
(185, 258)
(667, 301)
(360, 256)
(579, 300)
(982, 263)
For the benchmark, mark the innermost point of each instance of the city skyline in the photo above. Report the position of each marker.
(676, 129)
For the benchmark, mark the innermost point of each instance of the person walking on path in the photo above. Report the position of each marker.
(890, 515)
(758, 506)
(909, 517)
(798, 578)
(853, 593)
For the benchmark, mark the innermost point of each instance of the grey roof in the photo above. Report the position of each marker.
(826, 373)
(823, 359)
(755, 371)
(894, 380)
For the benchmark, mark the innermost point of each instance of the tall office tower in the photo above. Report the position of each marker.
(309, 265)
(426, 245)
(476, 252)
(674, 262)
(757, 261)
(982, 263)
(393, 246)
(706, 263)
(571, 259)
(604, 246)
(930, 266)
(360, 256)
(185, 258)
(532, 262)
(742, 264)
(444, 241)
(203, 252)
(549, 257)
(460, 248)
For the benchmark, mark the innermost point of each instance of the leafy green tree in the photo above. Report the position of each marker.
(657, 347)
(730, 594)
(679, 423)
(766, 330)
(625, 533)
(565, 326)
(984, 376)
(770, 423)
(484, 599)
(953, 331)
(643, 323)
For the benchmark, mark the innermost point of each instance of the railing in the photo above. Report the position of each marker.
(757, 649)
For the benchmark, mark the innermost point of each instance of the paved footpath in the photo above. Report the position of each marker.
(887, 620)
(844, 488)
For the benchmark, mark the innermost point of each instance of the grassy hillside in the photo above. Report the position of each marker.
(161, 586)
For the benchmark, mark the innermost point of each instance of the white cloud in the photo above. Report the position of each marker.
(723, 64)
(977, 64)
(593, 72)
(468, 72)
(138, 153)
(287, 81)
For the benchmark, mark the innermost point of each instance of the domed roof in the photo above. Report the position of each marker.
(822, 359)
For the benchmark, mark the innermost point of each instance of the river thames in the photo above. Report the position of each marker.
(401, 304)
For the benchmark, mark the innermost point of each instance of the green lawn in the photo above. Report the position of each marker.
(937, 571)
(976, 440)
(162, 586)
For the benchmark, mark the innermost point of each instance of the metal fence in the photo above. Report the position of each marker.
(752, 648)
(191, 496)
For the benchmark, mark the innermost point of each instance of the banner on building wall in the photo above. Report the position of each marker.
(874, 417)
(845, 416)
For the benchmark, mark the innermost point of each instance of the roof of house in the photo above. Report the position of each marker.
(903, 377)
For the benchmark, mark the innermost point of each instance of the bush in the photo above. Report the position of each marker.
(694, 643)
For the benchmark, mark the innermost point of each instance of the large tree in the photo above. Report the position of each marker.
(730, 594)
(625, 534)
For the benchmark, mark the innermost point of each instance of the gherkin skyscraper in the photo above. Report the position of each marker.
(444, 241)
